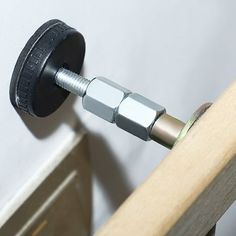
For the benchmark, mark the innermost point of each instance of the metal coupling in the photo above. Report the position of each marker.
(130, 111)
(116, 104)
(137, 114)
(103, 98)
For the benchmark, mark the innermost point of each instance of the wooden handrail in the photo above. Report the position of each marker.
(192, 187)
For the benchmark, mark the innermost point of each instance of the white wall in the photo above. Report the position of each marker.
(180, 53)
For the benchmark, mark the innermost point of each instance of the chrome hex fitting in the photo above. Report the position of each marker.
(130, 111)
(103, 98)
(137, 114)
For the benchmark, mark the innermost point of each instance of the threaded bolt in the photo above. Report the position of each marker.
(104, 98)
(72, 82)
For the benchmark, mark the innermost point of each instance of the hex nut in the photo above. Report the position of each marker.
(137, 114)
(103, 97)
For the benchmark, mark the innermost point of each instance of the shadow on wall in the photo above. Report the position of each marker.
(44, 127)
(108, 171)
(105, 165)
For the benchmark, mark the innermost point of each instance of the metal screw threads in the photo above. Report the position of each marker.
(72, 82)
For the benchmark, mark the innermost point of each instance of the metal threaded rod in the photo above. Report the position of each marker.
(99, 96)
(72, 82)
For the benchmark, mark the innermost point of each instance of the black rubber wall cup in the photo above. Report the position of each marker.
(52, 46)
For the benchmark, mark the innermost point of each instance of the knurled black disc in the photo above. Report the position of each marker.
(52, 46)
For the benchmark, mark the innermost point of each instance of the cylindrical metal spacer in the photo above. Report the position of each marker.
(166, 130)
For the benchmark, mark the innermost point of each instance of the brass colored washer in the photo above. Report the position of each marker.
(194, 118)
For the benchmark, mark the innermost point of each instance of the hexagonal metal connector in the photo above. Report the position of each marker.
(137, 114)
(108, 100)
(103, 98)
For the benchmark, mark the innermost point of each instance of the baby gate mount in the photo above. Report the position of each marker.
(48, 68)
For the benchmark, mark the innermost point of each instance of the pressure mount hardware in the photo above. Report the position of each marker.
(47, 70)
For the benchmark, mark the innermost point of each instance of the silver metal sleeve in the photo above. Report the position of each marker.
(166, 130)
